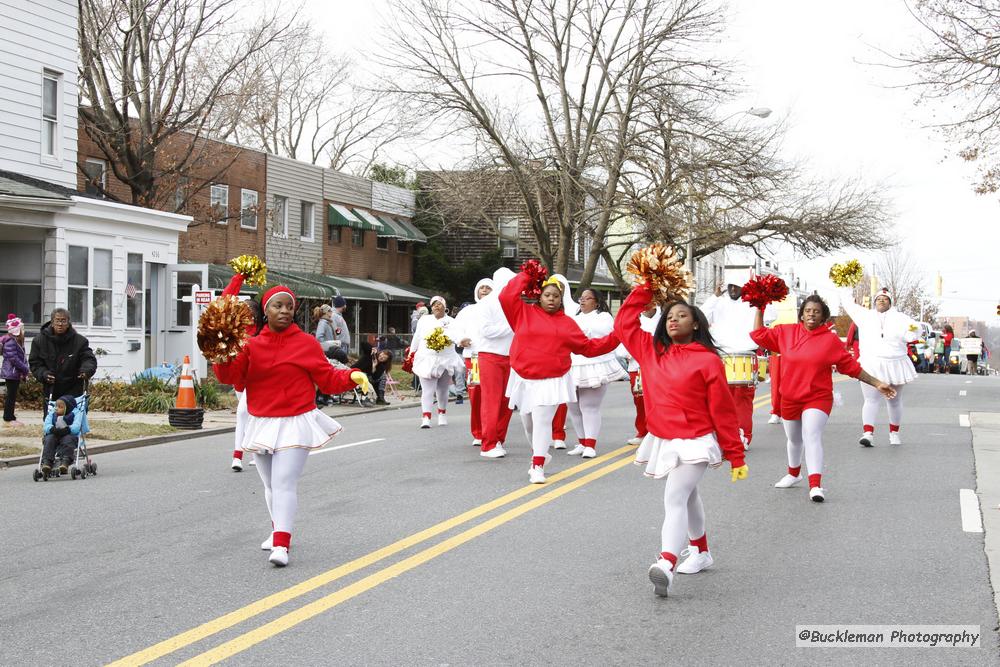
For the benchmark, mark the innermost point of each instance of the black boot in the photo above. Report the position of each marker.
(380, 398)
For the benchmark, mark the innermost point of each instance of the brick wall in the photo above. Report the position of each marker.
(344, 258)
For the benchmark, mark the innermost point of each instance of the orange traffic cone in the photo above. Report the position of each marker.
(185, 387)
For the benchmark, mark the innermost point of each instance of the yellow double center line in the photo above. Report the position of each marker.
(327, 602)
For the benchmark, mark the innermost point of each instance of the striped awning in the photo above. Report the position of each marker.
(414, 234)
(392, 229)
(370, 222)
(341, 216)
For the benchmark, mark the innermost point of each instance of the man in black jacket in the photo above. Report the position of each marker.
(60, 357)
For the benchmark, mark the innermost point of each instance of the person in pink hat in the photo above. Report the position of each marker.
(15, 365)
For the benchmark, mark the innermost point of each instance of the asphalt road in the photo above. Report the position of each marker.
(411, 550)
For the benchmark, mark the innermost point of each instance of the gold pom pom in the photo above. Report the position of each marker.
(847, 275)
(437, 340)
(659, 267)
(222, 329)
(253, 268)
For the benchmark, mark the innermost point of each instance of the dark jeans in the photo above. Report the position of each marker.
(63, 446)
(9, 398)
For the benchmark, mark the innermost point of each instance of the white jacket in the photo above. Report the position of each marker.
(732, 321)
(426, 362)
(468, 322)
(880, 335)
(594, 325)
(494, 335)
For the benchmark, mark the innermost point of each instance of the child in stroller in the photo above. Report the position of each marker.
(62, 435)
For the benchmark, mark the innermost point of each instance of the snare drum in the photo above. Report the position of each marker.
(761, 369)
(472, 374)
(741, 368)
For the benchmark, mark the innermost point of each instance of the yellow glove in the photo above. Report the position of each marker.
(740, 473)
(361, 380)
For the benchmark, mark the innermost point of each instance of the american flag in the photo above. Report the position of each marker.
(131, 291)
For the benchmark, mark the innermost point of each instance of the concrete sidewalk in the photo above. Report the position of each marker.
(216, 422)
(986, 448)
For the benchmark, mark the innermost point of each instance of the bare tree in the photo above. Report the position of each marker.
(897, 271)
(958, 72)
(151, 74)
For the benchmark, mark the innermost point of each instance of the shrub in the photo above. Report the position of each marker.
(142, 394)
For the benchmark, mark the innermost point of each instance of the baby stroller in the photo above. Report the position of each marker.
(82, 463)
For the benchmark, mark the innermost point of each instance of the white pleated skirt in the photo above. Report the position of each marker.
(430, 364)
(591, 376)
(895, 370)
(661, 456)
(310, 430)
(525, 394)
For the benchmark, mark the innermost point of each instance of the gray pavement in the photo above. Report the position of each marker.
(166, 538)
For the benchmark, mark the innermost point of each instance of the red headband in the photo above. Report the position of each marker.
(274, 291)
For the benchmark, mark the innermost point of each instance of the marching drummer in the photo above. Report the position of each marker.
(732, 320)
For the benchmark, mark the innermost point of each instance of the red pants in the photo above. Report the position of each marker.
(475, 393)
(559, 423)
(494, 412)
(743, 398)
(774, 370)
(640, 407)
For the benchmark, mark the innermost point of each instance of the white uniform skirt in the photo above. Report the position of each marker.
(310, 430)
(894, 370)
(593, 375)
(661, 456)
(525, 394)
(430, 364)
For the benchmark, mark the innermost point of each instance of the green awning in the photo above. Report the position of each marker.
(369, 222)
(337, 285)
(392, 230)
(341, 216)
(305, 286)
(414, 234)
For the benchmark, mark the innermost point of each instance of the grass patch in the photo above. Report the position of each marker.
(99, 430)
(10, 450)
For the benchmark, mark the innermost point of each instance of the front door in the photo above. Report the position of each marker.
(176, 322)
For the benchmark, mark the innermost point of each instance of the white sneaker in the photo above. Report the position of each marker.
(279, 556)
(588, 453)
(661, 576)
(425, 422)
(497, 452)
(634, 441)
(774, 419)
(787, 482)
(442, 419)
(894, 438)
(816, 494)
(695, 562)
(266, 545)
(237, 465)
(558, 444)
(477, 443)
(866, 439)
(576, 451)
(536, 475)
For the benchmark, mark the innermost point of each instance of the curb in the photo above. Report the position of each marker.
(174, 437)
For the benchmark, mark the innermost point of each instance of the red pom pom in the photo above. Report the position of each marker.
(759, 291)
(537, 273)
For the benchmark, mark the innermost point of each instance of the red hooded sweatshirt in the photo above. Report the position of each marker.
(685, 391)
(543, 342)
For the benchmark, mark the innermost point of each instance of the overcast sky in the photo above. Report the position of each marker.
(806, 61)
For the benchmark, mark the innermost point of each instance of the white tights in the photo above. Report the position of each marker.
(869, 411)
(242, 416)
(585, 414)
(541, 437)
(431, 386)
(280, 473)
(807, 433)
(684, 515)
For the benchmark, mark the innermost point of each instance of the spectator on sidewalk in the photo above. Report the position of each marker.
(15, 366)
(972, 360)
(949, 335)
(61, 359)
(340, 328)
(419, 311)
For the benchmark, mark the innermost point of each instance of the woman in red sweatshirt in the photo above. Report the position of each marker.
(808, 350)
(540, 379)
(691, 422)
(280, 369)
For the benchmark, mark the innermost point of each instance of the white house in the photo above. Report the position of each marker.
(105, 262)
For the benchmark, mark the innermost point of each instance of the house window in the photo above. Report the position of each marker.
(382, 242)
(133, 291)
(95, 174)
(50, 114)
(402, 246)
(333, 234)
(358, 237)
(248, 209)
(306, 219)
(21, 269)
(507, 242)
(280, 227)
(219, 202)
(102, 288)
(79, 283)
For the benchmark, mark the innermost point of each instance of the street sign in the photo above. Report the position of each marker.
(202, 298)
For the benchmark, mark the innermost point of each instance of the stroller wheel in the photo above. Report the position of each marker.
(93, 468)
(36, 475)
(73, 472)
